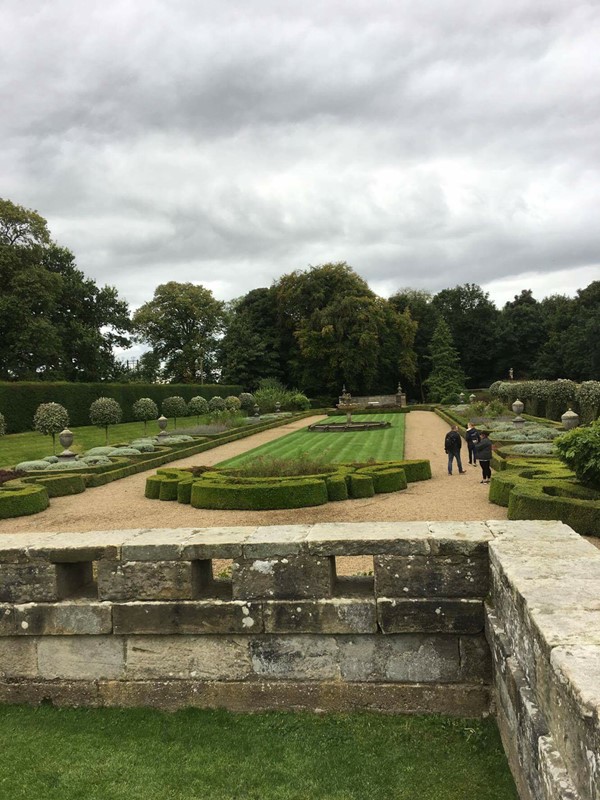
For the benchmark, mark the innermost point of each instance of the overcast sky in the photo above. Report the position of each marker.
(428, 144)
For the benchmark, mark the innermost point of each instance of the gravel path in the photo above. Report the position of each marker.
(122, 504)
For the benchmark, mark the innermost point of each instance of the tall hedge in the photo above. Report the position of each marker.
(18, 401)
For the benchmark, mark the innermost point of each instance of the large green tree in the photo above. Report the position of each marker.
(54, 322)
(447, 378)
(418, 303)
(182, 323)
(521, 332)
(472, 318)
(252, 348)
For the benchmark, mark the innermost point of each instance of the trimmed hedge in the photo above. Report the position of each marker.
(19, 499)
(288, 491)
(20, 400)
(59, 485)
(251, 497)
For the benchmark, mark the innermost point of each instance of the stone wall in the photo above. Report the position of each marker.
(543, 625)
(381, 400)
(143, 617)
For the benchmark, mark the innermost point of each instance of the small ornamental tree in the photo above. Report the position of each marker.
(104, 412)
(580, 451)
(174, 407)
(2, 425)
(145, 409)
(216, 404)
(247, 402)
(232, 403)
(198, 406)
(50, 419)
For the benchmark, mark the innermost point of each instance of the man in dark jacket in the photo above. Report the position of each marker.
(472, 436)
(483, 449)
(452, 445)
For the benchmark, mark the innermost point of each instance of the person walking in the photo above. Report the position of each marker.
(452, 445)
(483, 449)
(472, 436)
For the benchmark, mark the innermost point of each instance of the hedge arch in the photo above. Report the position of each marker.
(227, 489)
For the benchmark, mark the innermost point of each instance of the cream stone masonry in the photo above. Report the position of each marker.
(463, 618)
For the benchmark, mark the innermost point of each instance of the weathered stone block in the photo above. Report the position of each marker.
(18, 658)
(338, 615)
(63, 619)
(145, 580)
(219, 658)
(59, 693)
(274, 541)
(295, 657)
(286, 577)
(81, 546)
(542, 529)
(369, 538)
(475, 659)
(80, 657)
(14, 546)
(416, 615)
(194, 617)
(28, 582)
(431, 576)
(7, 620)
(208, 543)
(459, 538)
(406, 658)
(156, 544)
(555, 780)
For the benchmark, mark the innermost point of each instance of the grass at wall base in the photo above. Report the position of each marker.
(142, 754)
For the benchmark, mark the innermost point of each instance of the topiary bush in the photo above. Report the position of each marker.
(216, 404)
(588, 399)
(298, 402)
(232, 403)
(174, 407)
(579, 449)
(247, 402)
(144, 410)
(50, 419)
(20, 499)
(198, 406)
(105, 412)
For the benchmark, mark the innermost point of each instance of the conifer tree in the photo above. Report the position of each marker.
(447, 378)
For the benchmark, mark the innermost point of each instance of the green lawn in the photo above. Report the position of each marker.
(116, 754)
(31, 445)
(386, 444)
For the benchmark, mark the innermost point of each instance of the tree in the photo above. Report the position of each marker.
(521, 332)
(54, 323)
(446, 378)
(198, 406)
(182, 324)
(174, 407)
(104, 412)
(252, 346)
(471, 317)
(50, 419)
(419, 305)
(145, 409)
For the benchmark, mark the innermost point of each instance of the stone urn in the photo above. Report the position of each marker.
(66, 437)
(570, 419)
(162, 424)
(518, 407)
(472, 398)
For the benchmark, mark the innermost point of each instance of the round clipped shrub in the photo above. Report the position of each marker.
(179, 439)
(126, 451)
(144, 410)
(534, 449)
(50, 419)
(143, 445)
(51, 459)
(33, 466)
(95, 461)
(174, 407)
(198, 406)
(104, 412)
(247, 402)
(232, 403)
(216, 403)
(298, 402)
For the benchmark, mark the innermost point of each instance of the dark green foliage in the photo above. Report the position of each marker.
(561, 500)
(269, 494)
(337, 488)
(360, 485)
(446, 377)
(54, 323)
(20, 400)
(60, 485)
(579, 449)
(20, 499)
(385, 479)
(168, 488)
(175, 406)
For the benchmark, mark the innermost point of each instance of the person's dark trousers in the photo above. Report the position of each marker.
(472, 455)
(451, 456)
(486, 472)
